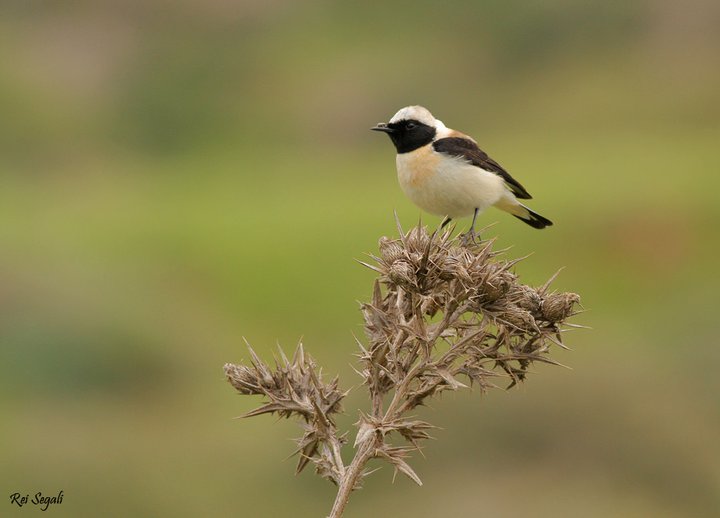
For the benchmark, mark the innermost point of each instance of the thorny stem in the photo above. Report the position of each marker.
(365, 452)
(337, 458)
(401, 391)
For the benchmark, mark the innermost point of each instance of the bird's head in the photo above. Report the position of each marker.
(410, 128)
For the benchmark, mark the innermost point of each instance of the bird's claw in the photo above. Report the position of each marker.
(470, 238)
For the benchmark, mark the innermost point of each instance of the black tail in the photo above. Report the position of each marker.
(534, 219)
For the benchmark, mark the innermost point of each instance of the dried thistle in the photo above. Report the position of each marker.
(430, 290)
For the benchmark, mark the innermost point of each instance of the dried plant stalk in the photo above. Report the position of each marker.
(430, 290)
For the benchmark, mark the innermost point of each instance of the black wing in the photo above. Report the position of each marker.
(467, 149)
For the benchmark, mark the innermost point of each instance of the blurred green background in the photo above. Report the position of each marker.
(178, 175)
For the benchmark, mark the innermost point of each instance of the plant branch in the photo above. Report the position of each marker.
(349, 482)
(444, 312)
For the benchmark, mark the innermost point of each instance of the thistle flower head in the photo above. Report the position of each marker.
(441, 290)
(293, 387)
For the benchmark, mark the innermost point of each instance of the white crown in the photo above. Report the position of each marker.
(417, 113)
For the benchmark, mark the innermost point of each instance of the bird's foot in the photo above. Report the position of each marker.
(470, 238)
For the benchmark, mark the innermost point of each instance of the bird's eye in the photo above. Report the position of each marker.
(410, 125)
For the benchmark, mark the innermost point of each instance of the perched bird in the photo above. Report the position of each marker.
(444, 172)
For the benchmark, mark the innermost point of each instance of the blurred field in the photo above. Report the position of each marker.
(177, 176)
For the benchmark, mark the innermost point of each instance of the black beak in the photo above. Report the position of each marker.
(384, 128)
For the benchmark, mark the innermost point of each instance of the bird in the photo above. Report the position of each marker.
(444, 172)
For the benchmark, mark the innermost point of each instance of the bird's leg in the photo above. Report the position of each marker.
(470, 236)
(447, 220)
(472, 225)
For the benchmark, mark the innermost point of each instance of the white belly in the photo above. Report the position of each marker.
(447, 186)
